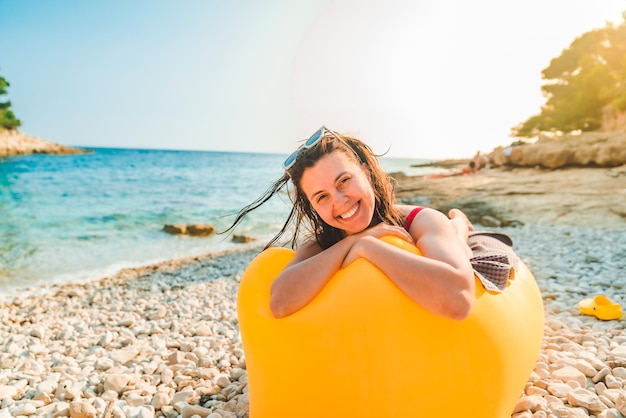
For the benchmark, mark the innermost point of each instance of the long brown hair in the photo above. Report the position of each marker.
(302, 214)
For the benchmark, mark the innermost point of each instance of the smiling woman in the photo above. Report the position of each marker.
(345, 201)
(374, 284)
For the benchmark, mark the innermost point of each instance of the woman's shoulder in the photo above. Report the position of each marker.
(408, 214)
(427, 215)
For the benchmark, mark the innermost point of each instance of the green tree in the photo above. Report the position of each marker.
(7, 118)
(588, 76)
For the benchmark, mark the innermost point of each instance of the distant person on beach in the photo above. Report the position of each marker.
(345, 201)
(465, 170)
(480, 161)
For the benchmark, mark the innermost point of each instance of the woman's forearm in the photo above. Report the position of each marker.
(302, 280)
(436, 285)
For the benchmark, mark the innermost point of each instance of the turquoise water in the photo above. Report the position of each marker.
(76, 217)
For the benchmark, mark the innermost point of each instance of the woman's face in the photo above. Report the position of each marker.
(340, 191)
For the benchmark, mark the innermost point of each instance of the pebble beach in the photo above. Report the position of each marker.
(163, 340)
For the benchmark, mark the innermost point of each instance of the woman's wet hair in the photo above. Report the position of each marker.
(302, 216)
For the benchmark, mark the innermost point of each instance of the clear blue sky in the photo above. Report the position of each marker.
(427, 79)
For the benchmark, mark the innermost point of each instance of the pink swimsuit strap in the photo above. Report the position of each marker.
(409, 219)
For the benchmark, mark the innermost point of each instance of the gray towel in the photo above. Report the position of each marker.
(493, 260)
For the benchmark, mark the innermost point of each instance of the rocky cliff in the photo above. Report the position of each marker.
(17, 143)
(589, 149)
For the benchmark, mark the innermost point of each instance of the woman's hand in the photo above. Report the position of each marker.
(377, 231)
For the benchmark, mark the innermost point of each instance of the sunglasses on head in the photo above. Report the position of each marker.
(309, 143)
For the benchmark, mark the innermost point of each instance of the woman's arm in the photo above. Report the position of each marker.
(309, 271)
(441, 281)
(305, 276)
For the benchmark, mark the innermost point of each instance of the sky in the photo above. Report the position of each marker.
(413, 78)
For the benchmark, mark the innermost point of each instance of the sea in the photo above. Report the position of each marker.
(71, 218)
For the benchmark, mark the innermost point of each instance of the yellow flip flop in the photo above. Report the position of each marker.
(601, 307)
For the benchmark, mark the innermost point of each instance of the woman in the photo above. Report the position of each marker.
(347, 202)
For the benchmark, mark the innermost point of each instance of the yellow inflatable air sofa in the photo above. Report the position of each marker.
(363, 349)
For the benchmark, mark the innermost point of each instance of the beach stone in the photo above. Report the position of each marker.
(167, 376)
(7, 392)
(191, 410)
(48, 386)
(169, 411)
(123, 356)
(569, 373)
(613, 382)
(243, 405)
(612, 394)
(47, 410)
(222, 380)
(529, 403)
(204, 330)
(618, 353)
(620, 403)
(160, 400)
(586, 368)
(82, 410)
(135, 399)
(559, 389)
(242, 239)
(185, 396)
(586, 399)
(109, 395)
(605, 400)
(598, 377)
(23, 409)
(138, 411)
(564, 412)
(619, 372)
(610, 413)
(116, 382)
(175, 229)
(200, 230)
(44, 398)
(176, 357)
(536, 390)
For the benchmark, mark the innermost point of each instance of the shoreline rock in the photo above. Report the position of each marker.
(194, 230)
(14, 142)
(588, 149)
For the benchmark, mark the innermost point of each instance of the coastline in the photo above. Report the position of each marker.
(591, 196)
(15, 142)
(162, 340)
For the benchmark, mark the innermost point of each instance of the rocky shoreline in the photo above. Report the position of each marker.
(163, 340)
(14, 142)
(588, 149)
